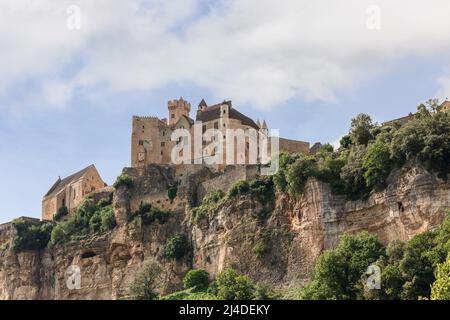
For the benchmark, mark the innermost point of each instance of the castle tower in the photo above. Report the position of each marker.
(177, 109)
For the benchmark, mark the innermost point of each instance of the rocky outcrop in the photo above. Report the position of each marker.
(276, 242)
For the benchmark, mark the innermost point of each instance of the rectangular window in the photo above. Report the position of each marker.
(173, 115)
(216, 125)
(141, 142)
(204, 128)
(163, 144)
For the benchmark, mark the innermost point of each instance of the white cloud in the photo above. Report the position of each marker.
(259, 51)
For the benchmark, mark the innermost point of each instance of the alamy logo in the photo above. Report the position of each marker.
(229, 147)
(374, 280)
(74, 17)
(73, 281)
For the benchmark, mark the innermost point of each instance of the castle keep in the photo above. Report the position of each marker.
(151, 137)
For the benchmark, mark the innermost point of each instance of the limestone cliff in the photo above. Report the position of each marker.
(276, 243)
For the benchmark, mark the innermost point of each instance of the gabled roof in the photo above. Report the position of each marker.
(213, 112)
(60, 184)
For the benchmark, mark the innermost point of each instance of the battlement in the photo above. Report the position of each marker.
(180, 103)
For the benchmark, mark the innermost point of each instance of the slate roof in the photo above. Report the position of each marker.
(60, 184)
(213, 112)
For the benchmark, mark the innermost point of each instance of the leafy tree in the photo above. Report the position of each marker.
(360, 130)
(176, 247)
(197, 279)
(440, 290)
(145, 283)
(298, 173)
(338, 273)
(352, 174)
(229, 285)
(377, 166)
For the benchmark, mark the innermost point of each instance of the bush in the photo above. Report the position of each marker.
(31, 235)
(172, 191)
(62, 212)
(176, 247)
(145, 283)
(231, 286)
(197, 279)
(239, 188)
(149, 214)
(210, 204)
(123, 181)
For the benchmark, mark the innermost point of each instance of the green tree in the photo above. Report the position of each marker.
(360, 129)
(197, 279)
(338, 273)
(352, 174)
(377, 166)
(440, 290)
(176, 247)
(230, 285)
(146, 282)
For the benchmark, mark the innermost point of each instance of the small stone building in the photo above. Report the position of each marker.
(70, 191)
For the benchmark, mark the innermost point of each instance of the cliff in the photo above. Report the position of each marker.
(276, 242)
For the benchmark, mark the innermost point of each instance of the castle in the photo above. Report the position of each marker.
(152, 143)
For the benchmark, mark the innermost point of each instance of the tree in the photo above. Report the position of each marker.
(145, 283)
(352, 173)
(298, 174)
(231, 286)
(377, 166)
(440, 290)
(176, 247)
(338, 273)
(360, 129)
(196, 278)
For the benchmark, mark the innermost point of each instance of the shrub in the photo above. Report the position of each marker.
(176, 247)
(62, 212)
(31, 235)
(145, 283)
(197, 279)
(210, 203)
(172, 191)
(123, 181)
(149, 214)
(239, 188)
(229, 285)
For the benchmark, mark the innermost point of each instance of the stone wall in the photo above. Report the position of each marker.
(224, 181)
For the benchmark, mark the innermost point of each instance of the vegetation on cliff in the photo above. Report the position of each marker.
(409, 271)
(89, 218)
(31, 235)
(369, 152)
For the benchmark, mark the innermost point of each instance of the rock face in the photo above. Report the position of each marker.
(276, 242)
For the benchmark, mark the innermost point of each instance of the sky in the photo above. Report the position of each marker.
(73, 73)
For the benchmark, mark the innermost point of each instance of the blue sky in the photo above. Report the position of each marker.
(67, 97)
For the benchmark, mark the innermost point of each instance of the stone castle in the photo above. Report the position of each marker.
(151, 141)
